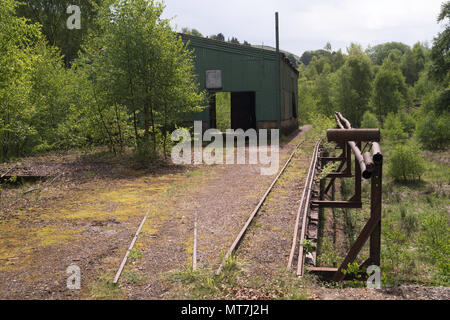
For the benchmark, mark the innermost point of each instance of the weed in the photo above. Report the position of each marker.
(135, 276)
(104, 289)
(134, 255)
(434, 243)
(353, 269)
(328, 168)
(308, 246)
(327, 254)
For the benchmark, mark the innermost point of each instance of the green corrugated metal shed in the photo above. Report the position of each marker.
(248, 69)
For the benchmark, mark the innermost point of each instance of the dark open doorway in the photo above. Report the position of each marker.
(232, 110)
(243, 115)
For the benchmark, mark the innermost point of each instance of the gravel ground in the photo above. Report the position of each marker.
(223, 202)
(403, 292)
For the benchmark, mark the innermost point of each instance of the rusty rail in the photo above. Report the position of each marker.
(368, 165)
(303, 211)
(241, 234)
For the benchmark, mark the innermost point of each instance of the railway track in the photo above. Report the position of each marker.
(308, 221)
(302, 215)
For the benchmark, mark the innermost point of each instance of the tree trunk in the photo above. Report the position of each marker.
(135, 126)
(165, 131)
(119, 128)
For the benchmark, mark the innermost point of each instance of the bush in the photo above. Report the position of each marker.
(432, 131)
(144, 151)
(320, 124)
(369, 120)
(393, 128)
(434, 243)
(408, 122)
(406, 163)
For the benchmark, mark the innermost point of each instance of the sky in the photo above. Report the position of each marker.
(310, 24)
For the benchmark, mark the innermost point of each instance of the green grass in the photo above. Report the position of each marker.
(415, 240)
(135, 276)
(223, 110)
(234, 282)
(412, 249)
(104, 289)
(134, 255)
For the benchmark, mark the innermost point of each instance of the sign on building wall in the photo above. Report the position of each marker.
(213, 79)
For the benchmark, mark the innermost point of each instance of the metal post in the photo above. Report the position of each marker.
(357, 196)
(375, 212)
(277, 40)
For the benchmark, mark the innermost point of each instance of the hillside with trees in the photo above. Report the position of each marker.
(405, 91)
(121, 84)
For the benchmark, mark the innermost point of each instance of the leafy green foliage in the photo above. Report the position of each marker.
(380, 52)
(389, 90)
(353, 85)
(440, 54)
(137, 61)
(406, 163)
(52, 16)
(320, 124)
(223, 111)
(394, 130)
(369, 120)
(17, 58)
(434, 242)
(433, 130)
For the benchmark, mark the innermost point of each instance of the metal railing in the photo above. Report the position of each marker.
(367, 165)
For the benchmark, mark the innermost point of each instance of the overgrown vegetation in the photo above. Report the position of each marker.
(407, 96)
(131, 83)
(403, 89)
(234, 283)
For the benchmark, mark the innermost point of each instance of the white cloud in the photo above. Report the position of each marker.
(306, 25)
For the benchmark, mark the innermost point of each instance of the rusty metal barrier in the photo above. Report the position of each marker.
(368, 165)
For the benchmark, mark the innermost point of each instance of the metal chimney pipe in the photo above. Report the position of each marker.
(277, 33)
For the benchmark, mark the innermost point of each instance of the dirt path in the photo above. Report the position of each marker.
(223, 203)
(266, 247)
(89, 216)
(404, 292)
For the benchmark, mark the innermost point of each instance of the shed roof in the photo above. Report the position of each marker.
(236, 48)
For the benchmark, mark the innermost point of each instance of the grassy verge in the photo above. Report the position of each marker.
(415, 226)
(235, 283)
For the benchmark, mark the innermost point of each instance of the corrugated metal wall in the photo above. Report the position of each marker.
(246, 69)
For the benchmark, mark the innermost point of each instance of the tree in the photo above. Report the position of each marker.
(337, 60)
(234, 40)
(420, 56)
(440, 53)
(308, 55)
(193, 32)
(380, 52)
(323, 95)
(406, 163)
(434, 114)
(137, 61)
(369, 120)
(52, 16)
(389, 91)
(17, 39)
(393, 129)
(352, 85)
(219, 37)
